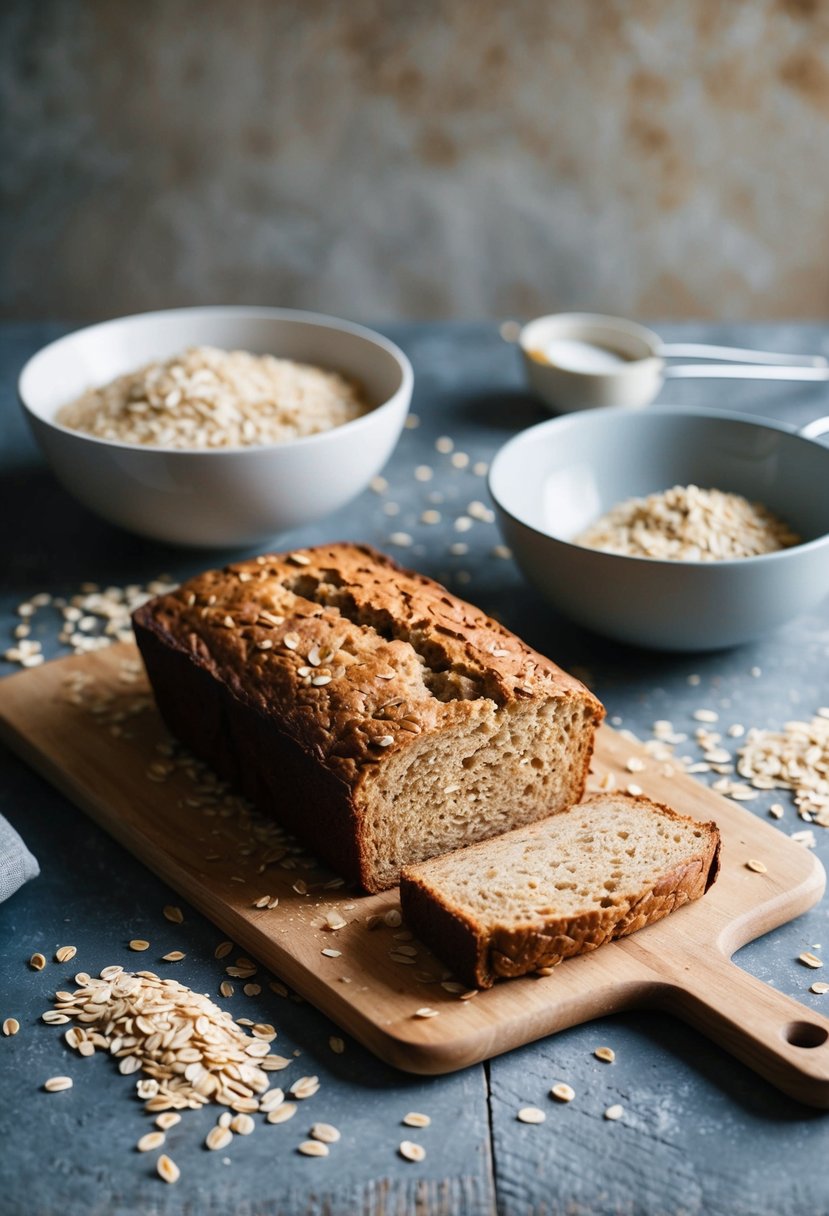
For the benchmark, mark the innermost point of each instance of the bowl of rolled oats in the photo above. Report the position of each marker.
(217, 427)
(671, 529)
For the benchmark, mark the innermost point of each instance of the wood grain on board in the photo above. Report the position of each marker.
(681, 964)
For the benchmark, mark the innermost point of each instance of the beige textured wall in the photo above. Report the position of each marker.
(432, 158)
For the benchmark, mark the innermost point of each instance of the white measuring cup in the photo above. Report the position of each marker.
(580, 360)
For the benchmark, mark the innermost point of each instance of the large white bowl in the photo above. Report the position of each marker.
(551, 481)
(230, 496)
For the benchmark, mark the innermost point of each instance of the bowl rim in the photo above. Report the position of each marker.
(588, 417)
(321, 320)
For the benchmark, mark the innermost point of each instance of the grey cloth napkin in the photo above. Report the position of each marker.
(17, 865)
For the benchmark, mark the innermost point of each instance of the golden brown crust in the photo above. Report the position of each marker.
(334, 659)
(479, 955)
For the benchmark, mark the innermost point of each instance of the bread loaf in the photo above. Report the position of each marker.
(560, 887)
(380, 718)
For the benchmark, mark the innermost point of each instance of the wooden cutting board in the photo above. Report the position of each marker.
(99, 754)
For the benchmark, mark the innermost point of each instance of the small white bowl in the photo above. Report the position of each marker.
(228, 496)
(632, 379)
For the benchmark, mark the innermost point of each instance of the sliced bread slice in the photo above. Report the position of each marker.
(563, 886)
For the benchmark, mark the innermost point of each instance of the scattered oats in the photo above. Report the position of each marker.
(481, 512)
(299, 559)
(459, 460)
(173, 914)
(480, 468)
(607, 1054)
(300, 887)
(325, 1132)
(426, 1012)
(444, 445)
(271, 1100)
(463, 523)
(336, 1044)
(401, 539)
(412, 422)
(261, 902)
(705, 715)
(65, 953)
(383, 741)
(150, 1141)
(334, 921)
(414, 1119)
(608, 781)
(453, 986)
(37, 962)
(252, 989)
(563, 1092)
(139, 944)
(758, 867)
(614, 1112)
(167, 1169)
(423, 472)
(634, 789)
(809, 960)
(635, 765)
(807, 838)
(736, 731)
(392, 918)
(242, 1124)
(313, 1148)
(379, 485)
(459, 549)
(11, 1026)
(55, 1084)
(282, 1113)
(226, 988)
(430, 517)
(167, 1119)
(469, 994)
(531, 1114)
(694, 680)
(391, 509)
(776, 810)
(756, 672)
(402, 959)
(304, 1087)
(218, 1138)
(278, 987)
(329, 953)
(53, 1018)
(819, 987)
(411, 1151)
(274, 1063)
(175, 956)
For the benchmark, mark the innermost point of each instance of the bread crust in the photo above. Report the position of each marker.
(479, 956)
(238, 660)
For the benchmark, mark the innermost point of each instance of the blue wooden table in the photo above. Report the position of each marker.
(700, 1134)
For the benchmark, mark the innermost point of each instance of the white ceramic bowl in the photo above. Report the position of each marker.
(633, 381)
(230, 496)
(551, 481)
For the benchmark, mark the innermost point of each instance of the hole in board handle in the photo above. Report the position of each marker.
(805, 1034)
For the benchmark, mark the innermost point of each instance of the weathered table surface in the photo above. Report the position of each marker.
(700, 1134)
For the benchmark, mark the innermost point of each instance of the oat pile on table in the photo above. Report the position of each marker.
(211, 398)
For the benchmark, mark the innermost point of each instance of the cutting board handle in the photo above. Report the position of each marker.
(784, 1041)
